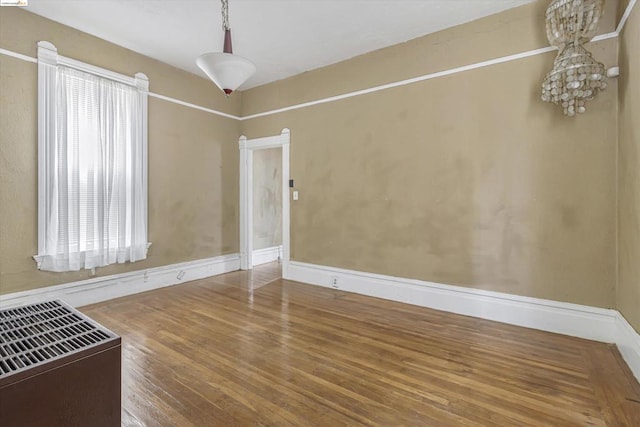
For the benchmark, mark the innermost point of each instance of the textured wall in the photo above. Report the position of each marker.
(267, 198)
(510, 32)
(193, 156)
(628, 293)
(467, 179)
(622, 6)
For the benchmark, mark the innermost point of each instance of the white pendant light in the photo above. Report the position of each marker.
(226, 70)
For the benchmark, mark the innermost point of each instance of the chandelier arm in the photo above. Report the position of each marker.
(579, 18)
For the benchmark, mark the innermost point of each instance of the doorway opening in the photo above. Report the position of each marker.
(264, 215)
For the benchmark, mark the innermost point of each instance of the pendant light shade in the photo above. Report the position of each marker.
(226, 70)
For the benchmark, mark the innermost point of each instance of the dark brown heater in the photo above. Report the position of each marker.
(57, 368)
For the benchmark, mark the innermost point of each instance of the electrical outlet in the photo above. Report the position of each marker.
(334, 282)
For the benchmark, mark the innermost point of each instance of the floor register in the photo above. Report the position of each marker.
(57, 368)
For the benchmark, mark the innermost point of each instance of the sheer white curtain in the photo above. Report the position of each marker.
(95, 179)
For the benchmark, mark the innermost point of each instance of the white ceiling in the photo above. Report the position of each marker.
(282, 37)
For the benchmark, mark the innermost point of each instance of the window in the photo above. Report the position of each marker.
(92, 165)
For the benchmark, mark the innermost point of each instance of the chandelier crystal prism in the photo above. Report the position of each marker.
(576, 77)
(226, 70)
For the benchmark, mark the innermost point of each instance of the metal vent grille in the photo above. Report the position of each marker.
(36, 334)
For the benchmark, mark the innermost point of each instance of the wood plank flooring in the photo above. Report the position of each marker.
(248, 348)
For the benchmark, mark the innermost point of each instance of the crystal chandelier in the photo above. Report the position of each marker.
(576, 77)
(226, 70)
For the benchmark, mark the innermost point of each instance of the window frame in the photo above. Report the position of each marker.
(48, 61)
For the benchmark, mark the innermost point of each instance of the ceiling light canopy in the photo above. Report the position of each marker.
(226, 70)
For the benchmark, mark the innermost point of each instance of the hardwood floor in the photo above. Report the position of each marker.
(253, 349)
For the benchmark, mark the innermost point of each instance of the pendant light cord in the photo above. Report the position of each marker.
(225, 15)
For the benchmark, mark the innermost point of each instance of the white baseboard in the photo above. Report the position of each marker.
(564, 318)
(105, 288)
(628, 342)
(569, 319)
(576, 320)
(263, 256)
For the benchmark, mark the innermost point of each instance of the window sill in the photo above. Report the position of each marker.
(40, 258)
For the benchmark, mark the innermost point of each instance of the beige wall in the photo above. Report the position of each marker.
(622, 6)
(193, 155)
(510, 32)
(468, 179)
(628, 292)
(267, 198)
